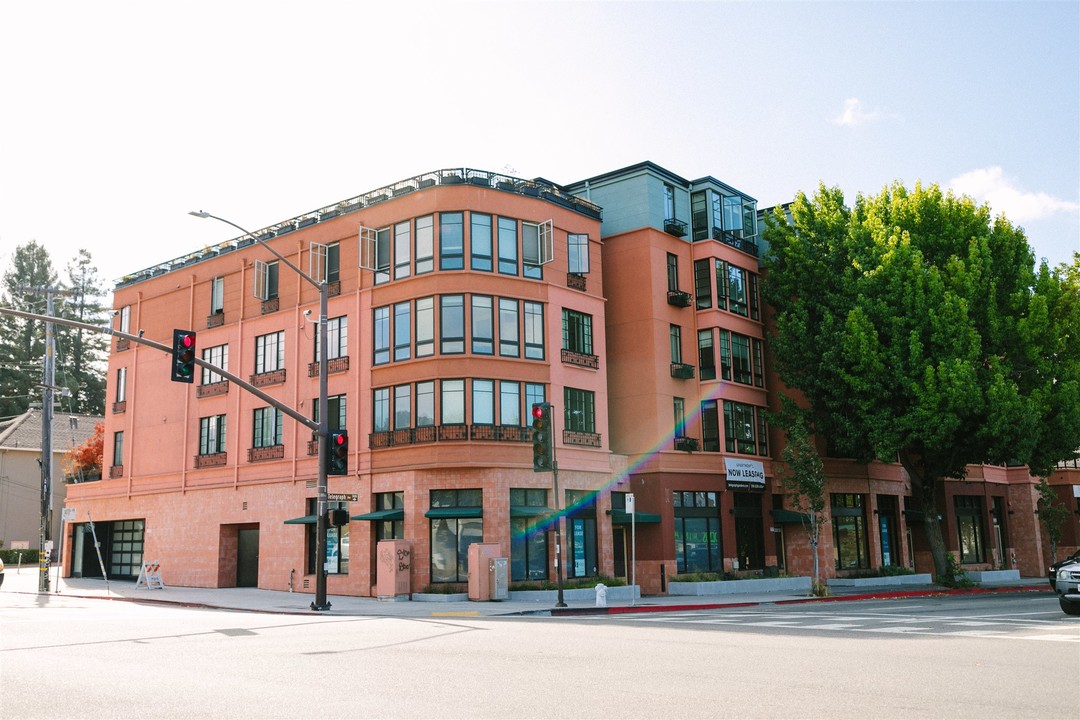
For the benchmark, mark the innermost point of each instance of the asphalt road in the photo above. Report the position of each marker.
(967, 657)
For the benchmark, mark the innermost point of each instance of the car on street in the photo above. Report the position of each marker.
(1067, 587)
(1051, 573)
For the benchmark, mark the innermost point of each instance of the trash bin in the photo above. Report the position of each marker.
(601, 595)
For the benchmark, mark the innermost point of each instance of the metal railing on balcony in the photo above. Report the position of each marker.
(678, 298)
(675, 227)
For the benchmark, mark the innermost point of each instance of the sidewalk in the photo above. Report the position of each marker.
(24, 580)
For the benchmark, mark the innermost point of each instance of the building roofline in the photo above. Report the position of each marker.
(629, 169)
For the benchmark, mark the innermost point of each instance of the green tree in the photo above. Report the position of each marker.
(22, 342)
(803, 478)
(919, 330)
(82, 355)
(1052, 513)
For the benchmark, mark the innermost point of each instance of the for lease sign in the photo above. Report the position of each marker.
(745, 473)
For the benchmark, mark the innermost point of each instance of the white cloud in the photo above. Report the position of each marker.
(989, 185)
(855, 114)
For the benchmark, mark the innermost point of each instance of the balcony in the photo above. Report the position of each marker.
(678, 228)
(686, 444)
(682, 371)
(569, 357)
(273, 377)
(212, 460)
(270, 452)
(678, 298)
(212, 389)
(336, 365)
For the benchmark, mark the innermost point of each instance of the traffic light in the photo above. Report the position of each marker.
(337, 456)
(183, 356)
(337, 517)
(543, 456)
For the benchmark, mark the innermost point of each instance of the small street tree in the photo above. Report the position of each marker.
(803, 479)
(919, 330)
(84, 462)
(1053, 515)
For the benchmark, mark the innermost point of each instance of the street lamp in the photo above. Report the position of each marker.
(320, 602)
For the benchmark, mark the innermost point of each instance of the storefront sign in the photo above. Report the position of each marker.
(745, 473)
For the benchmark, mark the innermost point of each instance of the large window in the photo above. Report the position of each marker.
(402, 249)
(697, 531)
(483, 325)
(706, 355)
(483, 402)
(710, 426)
(452, 402)
(534, 329)
(581, 530)
(849, 531)
(425, 326)
(269, 352)
(337, 541)
(480, 242)
(425, 244)
(528, 534)
(452, 324)
(212, 435)
(393, 528)
(703, 284)
(267, 427)
(969, 525)
(508, 246)
(451, 241)
(456, 523)
(744, 429)
(402, 330)
(337, 338)
(577, 332)
(217, 356)
(580, 413)
(577, 258)
(380, 332)
(509, 334)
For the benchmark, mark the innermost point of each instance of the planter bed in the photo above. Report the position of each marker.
(887, 581)
(729, 587)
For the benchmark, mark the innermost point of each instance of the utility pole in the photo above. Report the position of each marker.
(48, 385)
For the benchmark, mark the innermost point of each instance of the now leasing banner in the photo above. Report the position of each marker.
(745, 473)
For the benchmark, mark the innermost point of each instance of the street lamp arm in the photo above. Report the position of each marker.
(279, 256)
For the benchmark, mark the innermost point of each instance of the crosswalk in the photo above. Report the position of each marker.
(1053, 629)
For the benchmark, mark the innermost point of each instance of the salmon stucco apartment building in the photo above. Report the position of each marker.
(630, 301)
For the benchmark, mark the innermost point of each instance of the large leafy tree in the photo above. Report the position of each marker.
(22, 342)
(919, 330)
(82, 354)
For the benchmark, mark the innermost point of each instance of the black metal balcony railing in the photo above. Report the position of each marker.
(686, 444)
(678, 298)
(678, 228)
(585, 360)
(537, 188)
(682, 371)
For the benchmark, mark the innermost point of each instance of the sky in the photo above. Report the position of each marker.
(117, 118)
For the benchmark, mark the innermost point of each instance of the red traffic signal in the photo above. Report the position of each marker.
(542, 431)
(183, 356)
(337, 455)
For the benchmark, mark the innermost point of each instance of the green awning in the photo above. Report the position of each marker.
(621, 517)
(782, 516)
(528, 511)
(454, 512)
(380, 515)
(306, 520)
